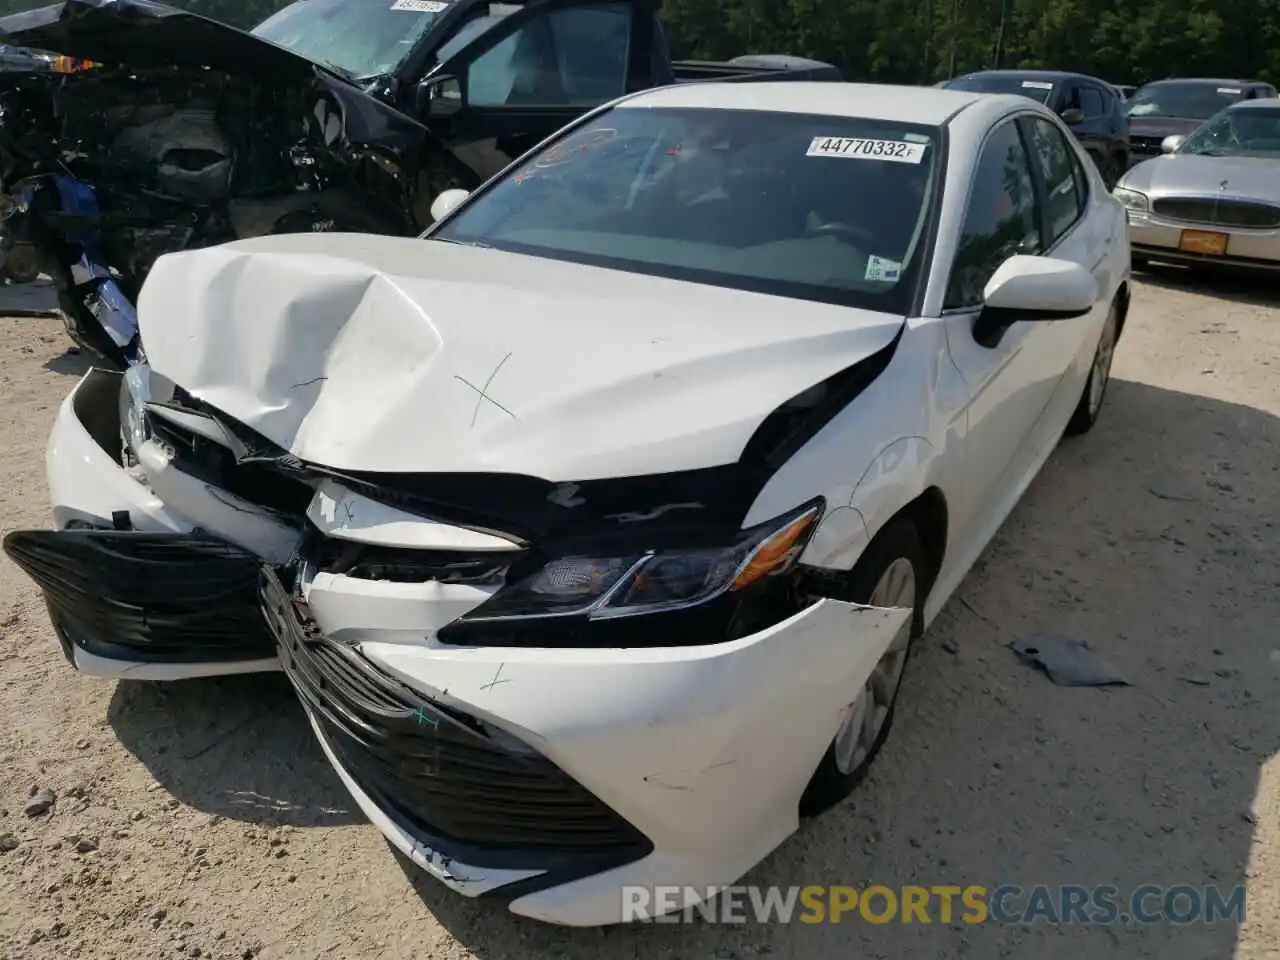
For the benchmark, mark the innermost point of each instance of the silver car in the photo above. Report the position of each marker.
(1214, 196)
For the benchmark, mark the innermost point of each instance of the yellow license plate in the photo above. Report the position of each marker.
(1203, 241)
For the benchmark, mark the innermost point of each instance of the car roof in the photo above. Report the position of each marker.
(930, 106)
(1265, 103)
(1238, 83)
(1032, 74)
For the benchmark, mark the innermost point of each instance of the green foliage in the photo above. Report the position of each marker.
(926, 40)
(1124, 41)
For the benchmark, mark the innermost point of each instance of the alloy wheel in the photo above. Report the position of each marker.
(867, 714)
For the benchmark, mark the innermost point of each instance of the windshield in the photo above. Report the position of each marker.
(1237, 133)
(1181, 100)
(1039, 90)
(817, 208)
(361, 38)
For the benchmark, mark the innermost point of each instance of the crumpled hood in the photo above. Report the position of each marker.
(1249, 178)
(144, 34)
(380, 354)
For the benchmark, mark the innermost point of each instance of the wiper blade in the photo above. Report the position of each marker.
(464, 243)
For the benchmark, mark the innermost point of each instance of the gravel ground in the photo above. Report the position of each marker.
(199, 819)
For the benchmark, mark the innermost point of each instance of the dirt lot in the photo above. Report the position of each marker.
(220, 831)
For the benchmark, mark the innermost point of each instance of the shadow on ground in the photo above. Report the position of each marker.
(239, 747)
(72, 362)
(1153, 539)
(1238, 286)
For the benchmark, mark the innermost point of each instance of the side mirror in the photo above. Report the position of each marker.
(1072, 116)
(447, 202)
(1171, 143)
(1040, 288)
(1033, 288)
(438, 97)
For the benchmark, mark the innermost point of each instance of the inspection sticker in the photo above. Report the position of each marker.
(1036, 85)
(897, 151)
(880, 268)
(420, 6)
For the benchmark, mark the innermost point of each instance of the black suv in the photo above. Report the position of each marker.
(1090, 107)
(1166, 107)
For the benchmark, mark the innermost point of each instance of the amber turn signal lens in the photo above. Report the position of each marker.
(776, 552)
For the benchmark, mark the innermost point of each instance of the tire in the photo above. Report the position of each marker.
(1095, 387)
(897, 543)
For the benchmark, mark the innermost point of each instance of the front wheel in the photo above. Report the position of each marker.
(1095, 388)
(890, 573)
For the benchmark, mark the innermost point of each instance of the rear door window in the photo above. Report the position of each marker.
(1063, 177)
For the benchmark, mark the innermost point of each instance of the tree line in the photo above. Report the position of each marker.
(922, 41)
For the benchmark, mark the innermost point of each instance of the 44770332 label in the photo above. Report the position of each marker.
(858, 148)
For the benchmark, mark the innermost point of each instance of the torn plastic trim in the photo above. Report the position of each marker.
(148, 597)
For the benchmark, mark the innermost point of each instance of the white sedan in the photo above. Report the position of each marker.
(594, 528)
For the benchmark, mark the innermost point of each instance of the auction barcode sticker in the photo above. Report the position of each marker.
(857, 148)
(1036, 85)
(420, 6)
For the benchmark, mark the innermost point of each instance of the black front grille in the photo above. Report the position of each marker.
(1219, 212)
(148, 597)
(436, 771)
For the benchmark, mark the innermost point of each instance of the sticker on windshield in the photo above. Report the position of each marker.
(1235, 91)
(420, 6)
(1036, 85)
(879, 268)
(857, 148)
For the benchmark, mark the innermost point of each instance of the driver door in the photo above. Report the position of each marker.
(535, 71)
(1011, 374)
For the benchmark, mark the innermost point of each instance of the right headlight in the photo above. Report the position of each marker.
(607, 587)
(700, 593)
(1135, 202)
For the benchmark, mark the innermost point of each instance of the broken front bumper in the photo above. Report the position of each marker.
(556, 778)
(132, 589)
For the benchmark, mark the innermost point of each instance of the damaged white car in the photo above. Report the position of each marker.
(593, 528)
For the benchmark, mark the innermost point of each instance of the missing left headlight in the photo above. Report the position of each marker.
(675, 596)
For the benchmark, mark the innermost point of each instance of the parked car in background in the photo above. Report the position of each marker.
(1214, 198)
(1090, 107)
(1166, 107)
(1125, 90)
(594, 528)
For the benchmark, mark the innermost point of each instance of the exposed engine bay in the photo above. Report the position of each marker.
(108, 169)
